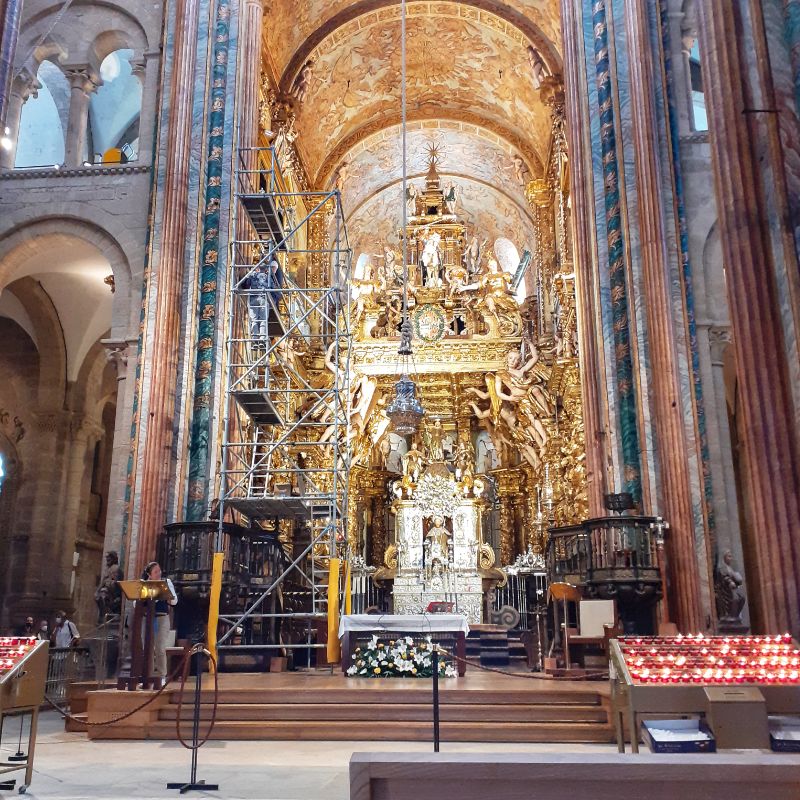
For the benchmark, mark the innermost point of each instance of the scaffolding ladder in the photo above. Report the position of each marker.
(285, 455)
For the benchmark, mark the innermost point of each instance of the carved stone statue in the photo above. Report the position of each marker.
(434, 441)
(437, 542)
(539, 70)
(432, 259)
(107, 595)
(412, 200)
(472, 256)
(302, 82)
(449, 198)
(497, 305)
(521, 171)
(465, 462)
(728, 590)
(412, 463)
(340, 176)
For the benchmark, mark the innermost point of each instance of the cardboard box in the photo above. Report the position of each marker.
(693, 736)
(784, 734)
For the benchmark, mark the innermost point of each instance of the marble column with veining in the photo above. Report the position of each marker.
(690, 603)
(164, 350)
(585, 279)
(762, 370)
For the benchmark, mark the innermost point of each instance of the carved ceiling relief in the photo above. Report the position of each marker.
(453, 63)
(292, 23)
(463, 151)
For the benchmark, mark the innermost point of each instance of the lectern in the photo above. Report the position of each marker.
(144, 594)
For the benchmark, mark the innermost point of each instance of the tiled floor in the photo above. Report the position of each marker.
(68, 766)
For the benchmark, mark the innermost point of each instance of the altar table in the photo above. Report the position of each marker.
(448, 630)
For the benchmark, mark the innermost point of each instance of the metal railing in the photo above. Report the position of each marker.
(67, 665)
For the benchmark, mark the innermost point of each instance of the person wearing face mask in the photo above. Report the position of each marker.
(43, 634)
(152, 572)
(65, 633)
(27, 629)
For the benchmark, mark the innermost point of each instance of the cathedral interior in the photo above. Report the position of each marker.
(404, 307)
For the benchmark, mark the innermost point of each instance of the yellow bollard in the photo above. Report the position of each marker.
(213, 607)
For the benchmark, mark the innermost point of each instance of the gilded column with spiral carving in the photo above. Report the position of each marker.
(508, 485)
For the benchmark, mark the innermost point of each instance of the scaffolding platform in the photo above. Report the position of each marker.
(266, 217)
(256, 403)
(285, 507)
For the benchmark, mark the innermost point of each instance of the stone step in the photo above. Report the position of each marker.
(407, 712)
(374, 692)
(382, 729)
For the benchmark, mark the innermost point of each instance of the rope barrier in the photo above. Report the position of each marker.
(536, 677)
(182, 670)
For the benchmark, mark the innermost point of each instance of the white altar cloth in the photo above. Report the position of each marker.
(407, 623)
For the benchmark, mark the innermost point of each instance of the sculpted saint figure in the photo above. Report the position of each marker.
(412, 462)
(437, 544)
(434, 437)
(432, 259)
(412, 200)
(729, 595)
(449, 198)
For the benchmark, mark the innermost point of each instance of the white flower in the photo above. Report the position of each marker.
(409, 640)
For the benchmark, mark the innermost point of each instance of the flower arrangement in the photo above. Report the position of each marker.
(398, 658)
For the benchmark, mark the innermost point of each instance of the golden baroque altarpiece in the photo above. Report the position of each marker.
(500, 456)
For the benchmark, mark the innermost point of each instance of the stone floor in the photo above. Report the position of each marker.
(69, 767)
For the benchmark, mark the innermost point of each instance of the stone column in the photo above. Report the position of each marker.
(251, 24)
(147, 70)
(23, 87)
(82, 83)
(119, 353)
(729, 536)
(588, 312)
(691, 603)
(768, 421)
(164, 349)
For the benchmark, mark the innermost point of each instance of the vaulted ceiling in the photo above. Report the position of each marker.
(470, 89)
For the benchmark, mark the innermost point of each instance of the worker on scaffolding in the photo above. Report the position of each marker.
(266, 275)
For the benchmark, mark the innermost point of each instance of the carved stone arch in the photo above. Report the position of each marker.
(109, 41)
(20, 243)
(52, 347)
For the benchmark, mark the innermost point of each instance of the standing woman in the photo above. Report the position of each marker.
(152, 572)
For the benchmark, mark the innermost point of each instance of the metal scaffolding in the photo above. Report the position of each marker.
(285, 454)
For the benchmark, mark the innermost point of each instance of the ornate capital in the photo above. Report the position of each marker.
(719, 338)
(83, 79)
(117, 354)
